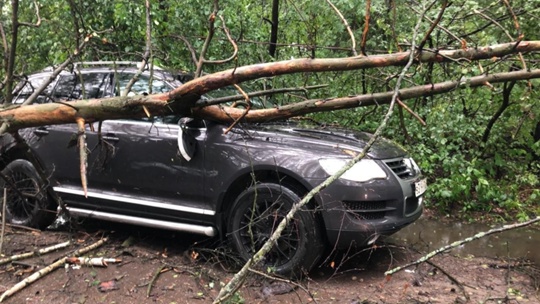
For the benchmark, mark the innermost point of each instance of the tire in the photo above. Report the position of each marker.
(28, 204)
(256, 214)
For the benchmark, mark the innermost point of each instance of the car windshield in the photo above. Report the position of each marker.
(93, 83)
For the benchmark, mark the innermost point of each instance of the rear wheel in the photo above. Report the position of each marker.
(257, 213)
(27, 202)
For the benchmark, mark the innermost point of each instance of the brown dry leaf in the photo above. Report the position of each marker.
(194, 255)
(107, 286)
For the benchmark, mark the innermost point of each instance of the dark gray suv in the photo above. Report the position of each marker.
(189, 175)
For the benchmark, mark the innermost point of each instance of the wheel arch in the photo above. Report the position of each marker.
(14, 152)
(265, 174)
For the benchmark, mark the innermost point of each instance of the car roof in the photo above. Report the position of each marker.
(106, 66)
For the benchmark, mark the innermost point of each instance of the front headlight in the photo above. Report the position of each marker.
(363, 171)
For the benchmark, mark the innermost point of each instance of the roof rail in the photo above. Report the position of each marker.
(137, 64)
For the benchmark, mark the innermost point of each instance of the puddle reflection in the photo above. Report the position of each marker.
(427, 235)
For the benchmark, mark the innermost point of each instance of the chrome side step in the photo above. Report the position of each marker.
(133, 200)
(126, 219)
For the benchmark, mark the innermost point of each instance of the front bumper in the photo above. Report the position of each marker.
(359, 213)
(366, 232)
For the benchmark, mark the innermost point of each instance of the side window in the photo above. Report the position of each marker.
(167, 119)
(142, 86)
(27, 87)
(146, 86)
(82, 86)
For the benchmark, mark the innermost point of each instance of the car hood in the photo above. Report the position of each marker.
(330, 140)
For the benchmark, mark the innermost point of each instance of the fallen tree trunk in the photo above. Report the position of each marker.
(185, 100)
(214, 81)
(158, 104)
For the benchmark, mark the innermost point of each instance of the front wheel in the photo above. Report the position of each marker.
(257, 213)
(27, 202)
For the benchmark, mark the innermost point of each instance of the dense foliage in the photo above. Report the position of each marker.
(480, 147)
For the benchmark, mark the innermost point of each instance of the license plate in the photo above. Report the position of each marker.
(420, 187)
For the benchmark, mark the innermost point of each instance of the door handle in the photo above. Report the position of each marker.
(41, 131)
(110, 137)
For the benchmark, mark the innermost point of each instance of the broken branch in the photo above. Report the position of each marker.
(33, 253)
(85, 261)
(37, 275)
(82, 153)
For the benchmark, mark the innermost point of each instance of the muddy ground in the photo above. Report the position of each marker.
(192, 270)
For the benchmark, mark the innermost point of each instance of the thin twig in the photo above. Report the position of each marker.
(454, 280)
(57, 71)
(403, 105)
(38, 22)
(433, 25)
(246, 97)
(147, 52)
(206, 45)
(154, 278)
(520, 35)
(461, 40)
(233, 43)
(366, 27)
(351, 34)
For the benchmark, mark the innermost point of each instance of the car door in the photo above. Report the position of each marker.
(146, 169)
(56, 145)
(137, 165)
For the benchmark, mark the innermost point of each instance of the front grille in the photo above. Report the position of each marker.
(400, 167)
(371, 210)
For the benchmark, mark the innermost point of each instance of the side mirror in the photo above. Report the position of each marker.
(187, 144)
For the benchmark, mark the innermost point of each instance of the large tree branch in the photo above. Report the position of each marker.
(214, 81)
(321, 105)
(125, 107)
(184, 98)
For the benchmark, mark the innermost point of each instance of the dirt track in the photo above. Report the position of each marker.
(192, 272)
